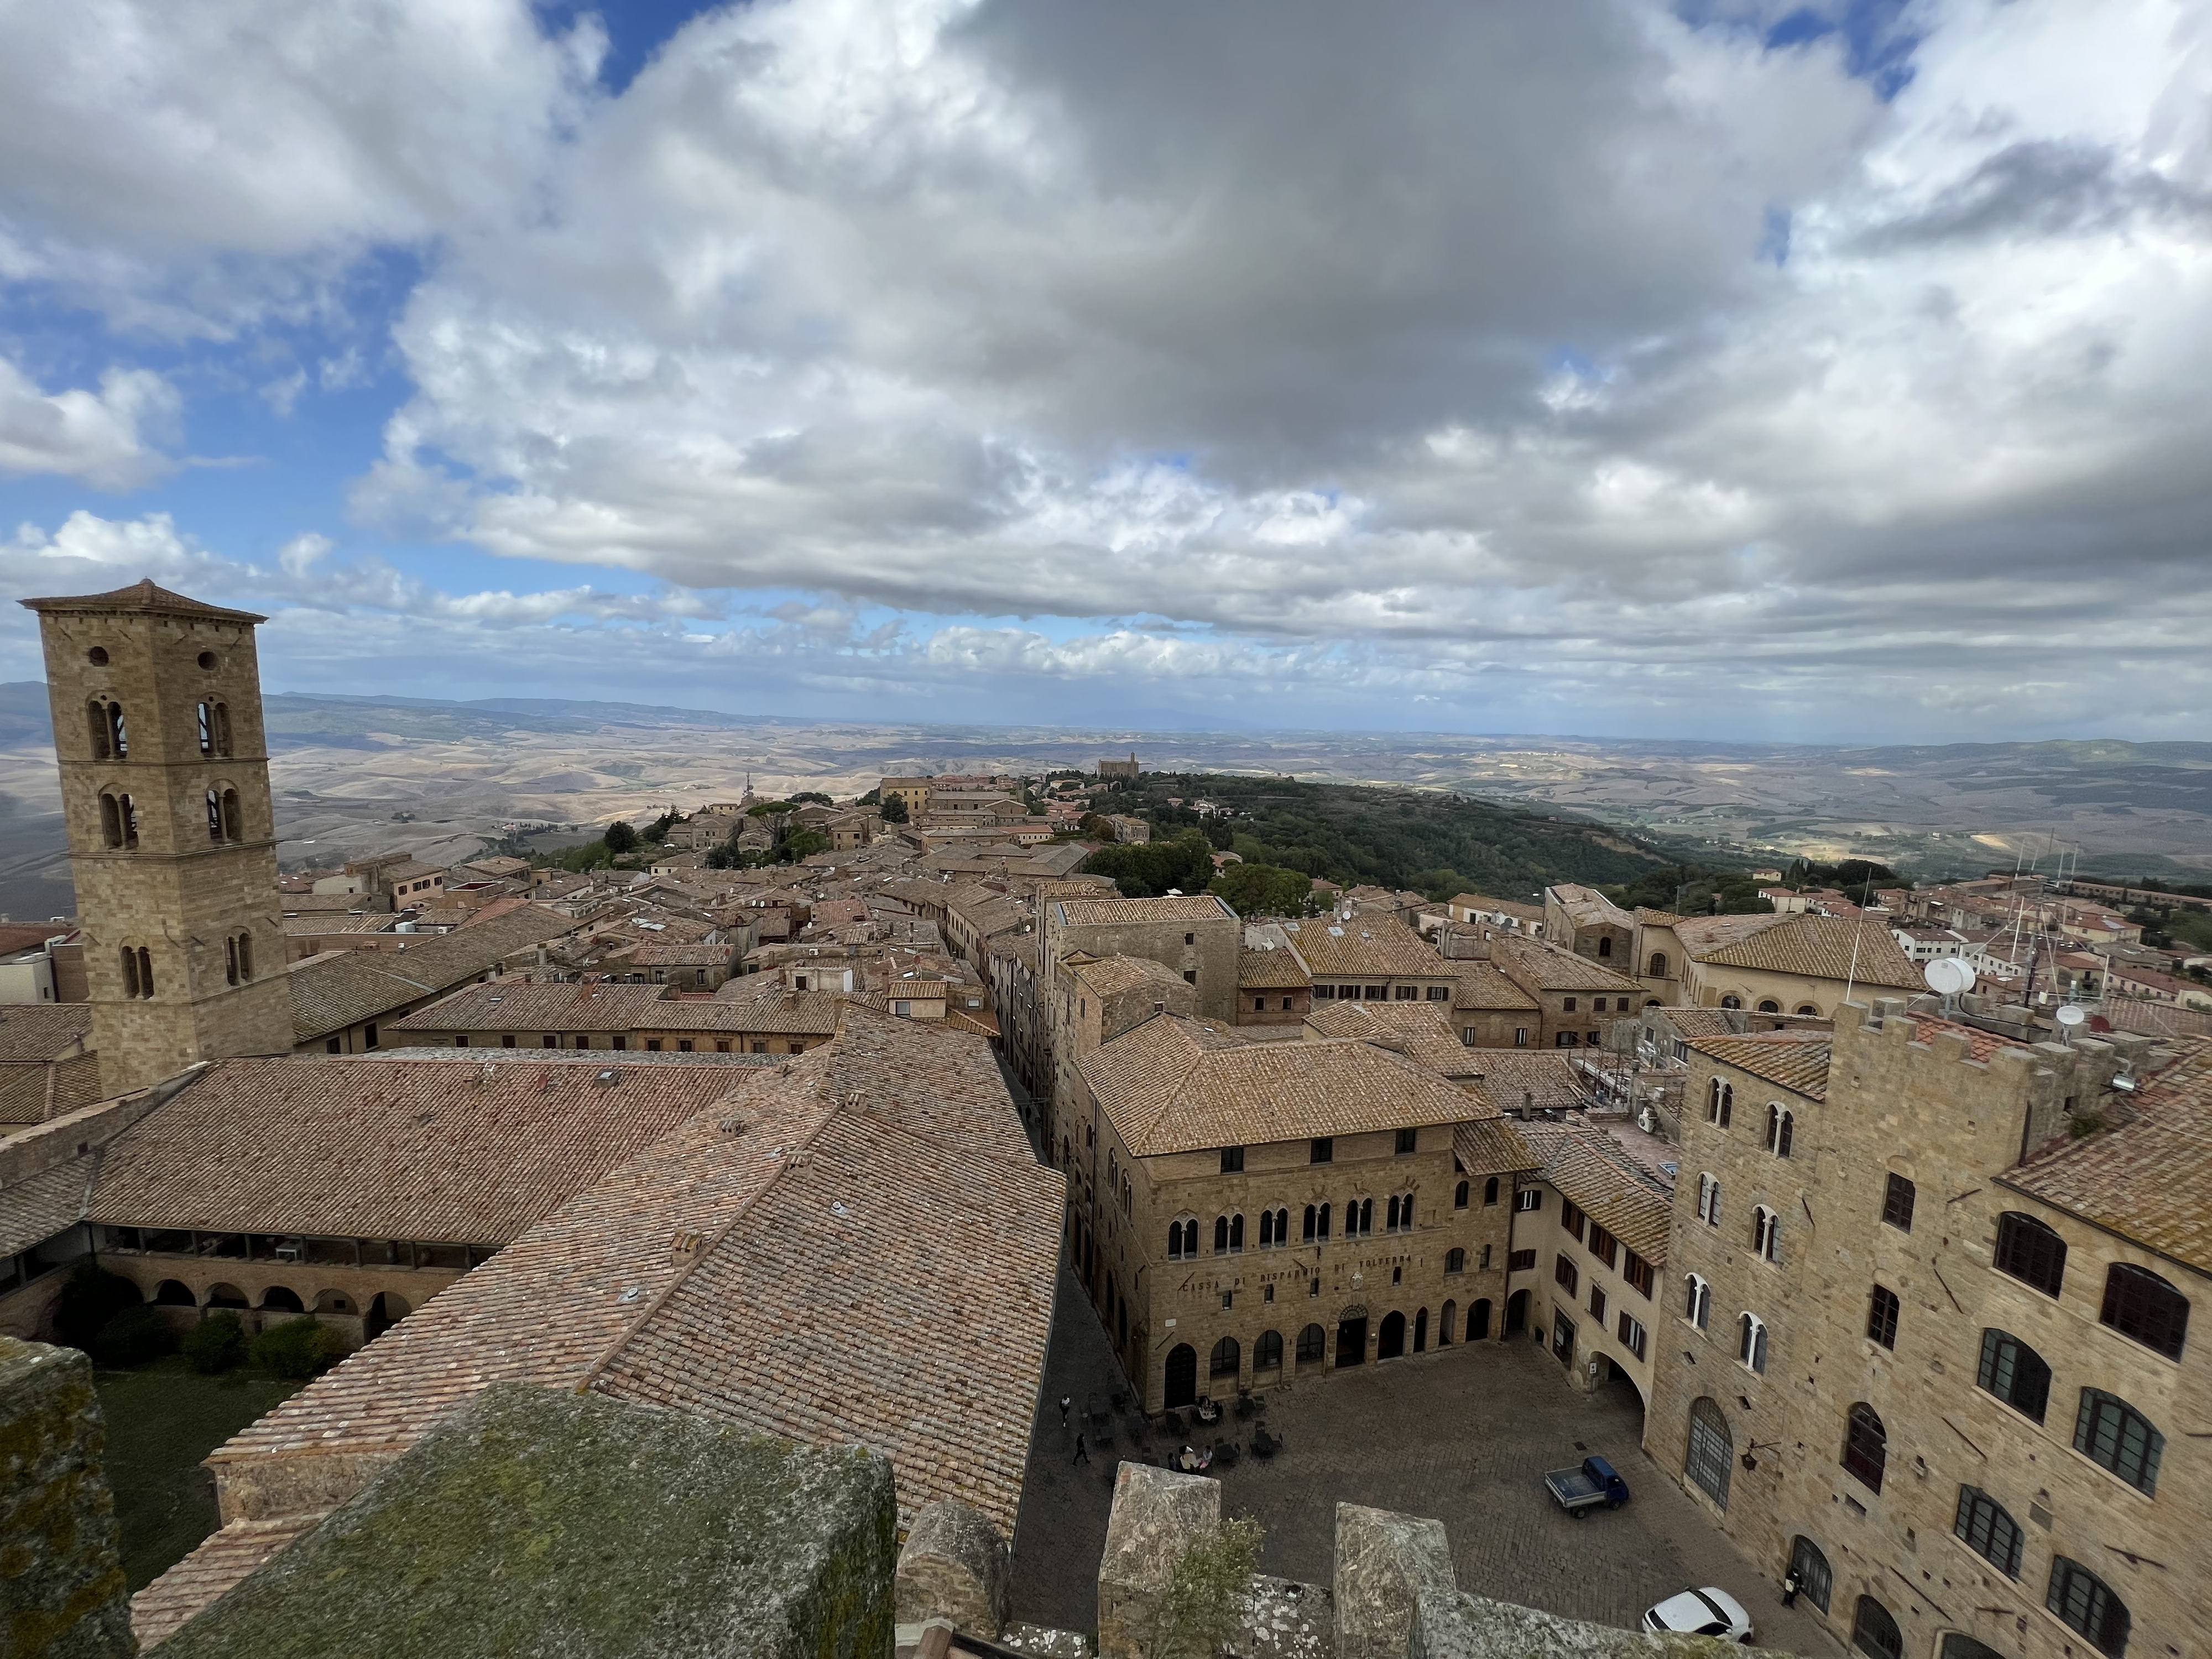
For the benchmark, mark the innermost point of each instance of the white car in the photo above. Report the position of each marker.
(1707, 1611)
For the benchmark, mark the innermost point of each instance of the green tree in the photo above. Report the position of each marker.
(1147, 869)
(134, 1337)
(216, 1344)
(1264, 889)
(297, 1348)
(801, 797)
(1209, 1593)
(802, 844)
(621, 837)
(894, 810)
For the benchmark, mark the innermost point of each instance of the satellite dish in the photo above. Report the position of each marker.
(1947, 977)
(2071, 1016)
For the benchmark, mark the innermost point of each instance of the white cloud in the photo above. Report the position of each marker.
(104, 438)
(1404, 355)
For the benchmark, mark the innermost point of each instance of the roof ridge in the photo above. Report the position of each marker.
(653, 1304)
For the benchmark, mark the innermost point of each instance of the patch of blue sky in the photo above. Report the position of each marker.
(1878, 40)
(635, 30)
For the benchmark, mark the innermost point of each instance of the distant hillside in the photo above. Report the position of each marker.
(1429, 841)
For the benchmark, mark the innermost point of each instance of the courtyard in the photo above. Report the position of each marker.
(1463, 1435)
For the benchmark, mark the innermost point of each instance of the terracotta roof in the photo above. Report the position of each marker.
(141, 596)
(725, 1265)
(331, 992)
(1365, 948)
(679, 956)
(1530, 962)
(528, 1006)
(2149, 1179)
(1617, 1192)
(1108, 912)
(1647, 917)
(1796, 1061)
(364, 1147)
(1271, 970)
(1482, 986)
(1418, 1030)
(1697, 1022)
(222, 1560)
(1493, 1145)
(43, 1030)
(1530, 1080)
(1107, 976)
(48, 1202)
(1815, 947)
(1177, 1086)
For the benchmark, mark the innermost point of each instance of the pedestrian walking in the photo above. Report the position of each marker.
(1790, 1587)
(1082, 1452)
(1066, 1402)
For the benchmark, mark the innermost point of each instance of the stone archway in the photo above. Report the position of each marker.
(1182, 1376)
(386, 1310)
(1390, 1337)
(1352, 1338)
(1517, 1313)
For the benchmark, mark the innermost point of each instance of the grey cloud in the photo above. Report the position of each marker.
(2038, 189)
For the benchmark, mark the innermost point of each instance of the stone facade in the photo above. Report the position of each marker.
(61, 1583)
(1869, 1389)
(156, 704)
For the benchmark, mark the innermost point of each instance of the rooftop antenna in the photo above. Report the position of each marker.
(1947, 977)
(2069, 1018)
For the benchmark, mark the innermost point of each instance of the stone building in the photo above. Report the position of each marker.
(1489, 1010)
(1584, 920)
(1927, 1343)
(1370, 958)
(1578, 997)
(157, 702)
(1784, 965)
(1245, 1213)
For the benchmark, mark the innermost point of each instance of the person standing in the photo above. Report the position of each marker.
(1066, 1402)
(1790, 1587)
(1082, 1452)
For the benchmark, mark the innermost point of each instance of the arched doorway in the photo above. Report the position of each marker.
(1421, 1330)
(1478, 1320)
(387, 1310)
(1350, 1341)
(1448, 1325)
(1956, 1646)
(1517, 1313)
(1391, 1339)
(1183, 1376)
(1711, 1457)
(169, 1293)
(1815, 1581)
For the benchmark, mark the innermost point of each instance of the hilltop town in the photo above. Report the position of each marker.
(794, 1117)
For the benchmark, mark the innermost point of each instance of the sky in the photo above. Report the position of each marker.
(1724, 370)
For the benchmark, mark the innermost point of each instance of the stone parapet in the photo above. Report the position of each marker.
(61, 1583)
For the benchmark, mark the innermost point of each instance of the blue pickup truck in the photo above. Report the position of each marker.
(1581, 1489)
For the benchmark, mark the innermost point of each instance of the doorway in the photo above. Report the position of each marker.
(1390, 1341)
(1517, 1313)
(1183, 1376)
(1350, 1341)
(1478, 1321)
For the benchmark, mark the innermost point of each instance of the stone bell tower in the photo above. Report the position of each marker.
(165, 785)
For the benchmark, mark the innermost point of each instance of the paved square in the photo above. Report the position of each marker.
(1463, 1435)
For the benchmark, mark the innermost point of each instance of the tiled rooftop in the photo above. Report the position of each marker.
(1365, 947)
(520, 1005)
(1174, 1085)
(472, 1153)
(1816, 947)
(1796, 1061)
(1551, 968)
(1482, 987)
(1113, 912)
(331, 992)
(1615, 1190)
(2150, 1178)
(42, 1030)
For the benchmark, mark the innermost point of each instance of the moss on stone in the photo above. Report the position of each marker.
(552, 1523)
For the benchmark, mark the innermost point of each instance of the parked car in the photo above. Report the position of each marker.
(1584, 1487)
(1707, 1611)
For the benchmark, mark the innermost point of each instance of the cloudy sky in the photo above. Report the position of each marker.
(1723, 369)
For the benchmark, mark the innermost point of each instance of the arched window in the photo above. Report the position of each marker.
(230, 959)
(1731, 1001)
(1699, 1308)
(1455, 1260)
(1236, 1232)
(1605, 947)
(1875, 1632)
(111, 820)
(1489, 1191)
(1221, 1235)
(231, 832)
(1227, 1357)
(1728, 1103)
(1709, 1200)
(1308, 1236)
(2141, 1304)
(1459, 1196)
(1988, 1529)
(1658, 965)
(1182, 1239)
(1313, 1345)
(1769, 1006)
(129, 971)
(1774, 1123)
(1713, 1101)
(1767, 1233)
(2015, 1373)
(1391, 1224)
(2030, 1252)
(214, 816)
(1448, 1324)
(222, 730)
(96, 730)
(2086, 1602)
(1807, 1008)
(2109, 1431)
(1866, 1446)
(1710, 1458)
(1266, 1230)
(1788, 1134)
(119, 734)
(1360, 1216)
(1751, 1342)
(1268, 1352)
(1815, 1581)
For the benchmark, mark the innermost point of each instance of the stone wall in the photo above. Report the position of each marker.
(61, 1585)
